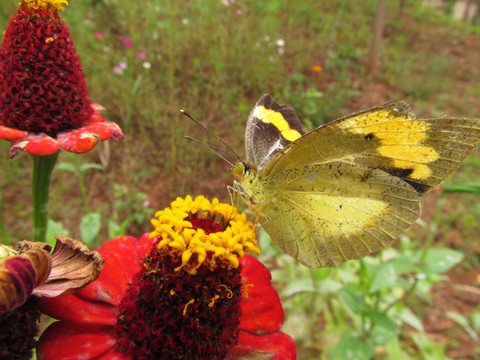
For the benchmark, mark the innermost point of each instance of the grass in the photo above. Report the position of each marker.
(215, 61)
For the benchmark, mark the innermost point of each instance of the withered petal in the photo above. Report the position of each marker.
(74, 266)
(20, 274)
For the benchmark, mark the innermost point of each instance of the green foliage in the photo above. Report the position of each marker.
(128, 208)
(368, 302)
(90, 227)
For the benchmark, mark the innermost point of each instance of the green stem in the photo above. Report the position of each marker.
(42, 171)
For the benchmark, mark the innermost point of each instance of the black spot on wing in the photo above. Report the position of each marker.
(419, 188)
(401, 173)
(404, 174)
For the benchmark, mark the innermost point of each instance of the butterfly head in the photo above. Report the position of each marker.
(239, 170)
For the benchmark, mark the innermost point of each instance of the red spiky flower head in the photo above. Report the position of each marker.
(187, 291)
(44, 103)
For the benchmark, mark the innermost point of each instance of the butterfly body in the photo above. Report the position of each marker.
(349, 187)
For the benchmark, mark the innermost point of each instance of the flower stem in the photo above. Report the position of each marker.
(42, 171)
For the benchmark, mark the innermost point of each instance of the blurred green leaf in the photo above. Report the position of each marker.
(90, 227)
(385, 277)
(326, 286)
(54, 228)
(429, 349)
(408, 317)
(472, 188)
(67, 166)
(384, 328)
(439, 260)
(115, 229)
(403, 264)
(395, 351)
(476, 321)
(464, 323)
(352, 297)
(88, 166)
(351, 347)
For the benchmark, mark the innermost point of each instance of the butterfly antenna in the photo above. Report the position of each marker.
(212, 134)
(215, 149)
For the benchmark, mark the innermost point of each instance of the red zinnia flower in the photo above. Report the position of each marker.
(186, 291)
(44, 103)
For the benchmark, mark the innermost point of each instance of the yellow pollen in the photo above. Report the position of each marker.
(212, 301)
(49, 40)
(45, 4)
(192, 246)
(186, 305)
(245, 289)
(172, 292)
(229, 292)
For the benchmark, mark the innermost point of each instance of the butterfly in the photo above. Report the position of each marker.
(350, 187)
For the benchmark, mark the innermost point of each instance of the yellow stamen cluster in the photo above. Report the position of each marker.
(45, 4)
(176, 233)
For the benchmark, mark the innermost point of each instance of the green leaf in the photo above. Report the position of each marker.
(404, 264)
(408, 317)
(352, 298)
(90, 227)
(439, 260)
(385, 277)
(326, 286)
(464, 323)
(350, 347)
(67, 166)
(476, 321)
(115, 229)
(54, 228)
(472, 188)
(395, 351)
(384, 329)
(88, 166)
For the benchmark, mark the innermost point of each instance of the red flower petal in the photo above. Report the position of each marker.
(64, 340)
(279, 345)
(78, 140)
(122, 257)
(105, 130)
(11, 133)
(97, 303)
(261, 307)
(35, 144)
(78, 310)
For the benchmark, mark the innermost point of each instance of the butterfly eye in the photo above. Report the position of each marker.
(239, 170)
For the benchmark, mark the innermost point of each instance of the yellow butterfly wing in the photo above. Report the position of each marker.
(351, 187)
(422, 152)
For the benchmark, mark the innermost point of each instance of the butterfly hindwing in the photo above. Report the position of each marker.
(337, 212)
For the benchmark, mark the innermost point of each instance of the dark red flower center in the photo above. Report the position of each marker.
(19, 329)
(168, 314)
(42, 85)
(206, 224)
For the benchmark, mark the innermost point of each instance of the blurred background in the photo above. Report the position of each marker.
(145, 60)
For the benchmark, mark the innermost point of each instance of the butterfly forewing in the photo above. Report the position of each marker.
(421, 152)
